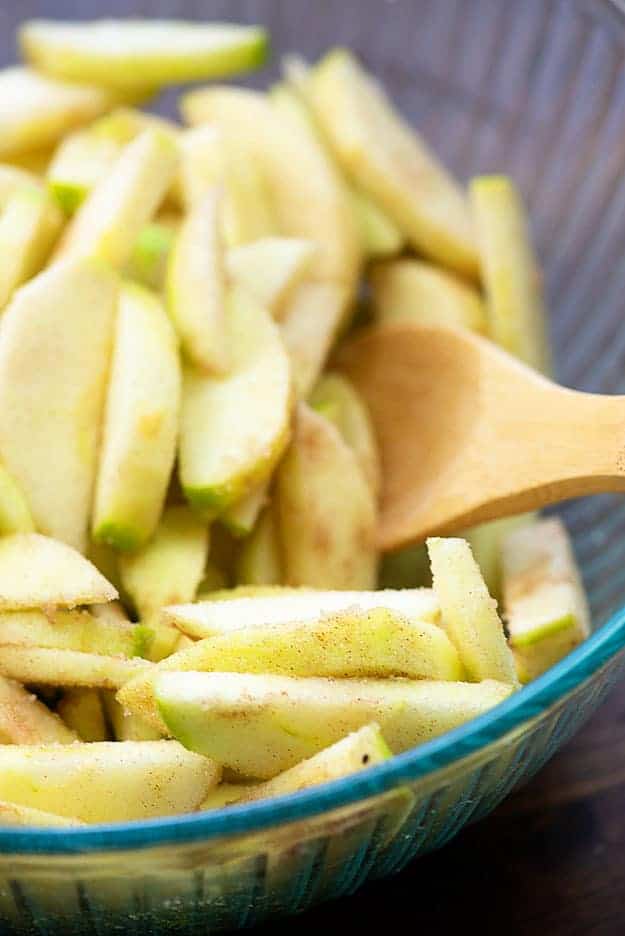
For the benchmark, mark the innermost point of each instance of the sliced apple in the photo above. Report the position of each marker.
(58, 329)
(326, 508)
(351, 416)
(270, 268)
(36, 111)
(260, 560)
(126, 725)
(379, 235)
(106, 782)
(383, 155)
(419, 292)
(196, 288)
(147, 263)
(26, 720)
(361, 749)
(170, 564)
(50, 667)
(73, 630)
(12, 178)
(223, 795)
(109, 221)
(213, 157)
(310, 324)
(545, 604)
(259, 726)
(510, 271)
(241, 518)
(148, 52)
(306, 191)
(15, 515)
(82, 711)
(140, 424)
(469, 613)
(78, 165)
(13, 815)
(29, 226)
(285, 605)
(218, 466)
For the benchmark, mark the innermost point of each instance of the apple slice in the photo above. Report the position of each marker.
(270, 268)
(106, 781)
(310, 323)
(36, 111)
(510, 271)
(218, 467)
(147, 264)
(79, 163)
(359, 750)
(54, 362)
(285, 605)
(126, 725)
(259, 726)
(196, 288)
(26, 720)
(73, 630)
(12, 178)
(260, 560)
(29, 226)
(241, 518)
(351, 416)
(213, 157)
(50, 667)
(15, 515)
(383, 155)
(14, 815)
(223, 795)
(379, 235)
(138, 53)
(469, 613)
(109, 221)
(36, 571)
(306, 191)
(140, 424)
(417, 291)
(326, 508)
(82, 711)
(545, 604)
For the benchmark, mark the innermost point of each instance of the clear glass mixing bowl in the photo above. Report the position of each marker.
(534, 88)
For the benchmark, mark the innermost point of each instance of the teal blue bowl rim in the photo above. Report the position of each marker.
(521, 707)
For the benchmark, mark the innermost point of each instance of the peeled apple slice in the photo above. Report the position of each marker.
(196, 287)
(79, 163)
(140, 425)
(138, 53)
(50, 667)
(379, 235)
(270, 268)
(147, 264)
(26, 720)
(29, 226)
(383, 155)
(259, 725)
(218, 466)
(241, 518)
(72, 630)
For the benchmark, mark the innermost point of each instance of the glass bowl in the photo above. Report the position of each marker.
(534, 88)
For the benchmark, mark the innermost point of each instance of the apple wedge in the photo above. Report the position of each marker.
(284, 605)
(59, 330)
(218, 466)
(138, 53)
(36, 111)
(412, 290)
(109, 221)
(305, 189)
(49, 667)
(82, 711)
(326, 509)
(212, 157)
(196, 287)
(14, 815)
(259, 561)
(15, 515)
(469, 613)
(73, 630)
(351, 416)
(310, 323)
(270, 268)
(106, 782)
(379, 235)
(127, 726)
(147, 264)
(241, 518)
(259, 725)
(510, 271)
(140, 424)
(29, 226)
(361, 749)
(36, 571)
(383, 155)
(544, 600)
(26, 720)
(78, 165)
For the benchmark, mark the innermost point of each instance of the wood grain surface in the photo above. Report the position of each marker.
(551, 859)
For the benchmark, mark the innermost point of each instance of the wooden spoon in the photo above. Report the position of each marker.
(467, 433)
